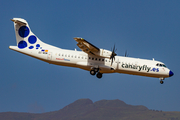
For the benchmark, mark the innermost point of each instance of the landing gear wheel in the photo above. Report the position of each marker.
(92, 72)
(161, 82)
(99, 75)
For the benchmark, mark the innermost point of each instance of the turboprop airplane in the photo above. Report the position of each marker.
(91, 58)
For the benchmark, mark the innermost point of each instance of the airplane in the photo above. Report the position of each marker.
(91, 58)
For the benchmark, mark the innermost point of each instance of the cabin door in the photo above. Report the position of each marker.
(49, 56)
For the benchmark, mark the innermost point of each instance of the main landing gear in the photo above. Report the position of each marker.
(99, 75)
(94, 71)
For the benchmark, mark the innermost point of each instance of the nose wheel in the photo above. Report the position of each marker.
(161, 82)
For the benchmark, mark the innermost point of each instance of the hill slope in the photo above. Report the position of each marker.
(85, 109)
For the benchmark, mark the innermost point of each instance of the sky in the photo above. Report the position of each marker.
(145, 28)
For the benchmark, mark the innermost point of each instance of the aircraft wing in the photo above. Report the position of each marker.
(86, 46)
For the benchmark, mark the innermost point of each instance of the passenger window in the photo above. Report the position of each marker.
(99, 59)
(62, 55)
(102, 59)
(96, 59)
(92, 58)
(89, 57)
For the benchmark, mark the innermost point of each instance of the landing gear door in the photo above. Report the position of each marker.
(49, 56)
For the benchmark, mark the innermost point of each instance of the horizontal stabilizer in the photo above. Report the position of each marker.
(18, 22)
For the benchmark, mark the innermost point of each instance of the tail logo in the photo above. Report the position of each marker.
(24, 32)
(32, 39)
(22, 44)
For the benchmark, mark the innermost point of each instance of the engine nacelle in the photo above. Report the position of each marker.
(103, 53)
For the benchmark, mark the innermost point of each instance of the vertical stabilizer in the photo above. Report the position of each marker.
(25, 38)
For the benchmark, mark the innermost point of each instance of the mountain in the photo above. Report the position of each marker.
(85, 109)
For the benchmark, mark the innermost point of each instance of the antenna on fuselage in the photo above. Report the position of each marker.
(126, 55)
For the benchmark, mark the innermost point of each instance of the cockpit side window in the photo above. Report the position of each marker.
(164, 65)
(160, 65)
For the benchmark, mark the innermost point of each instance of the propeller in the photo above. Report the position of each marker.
(113, 54)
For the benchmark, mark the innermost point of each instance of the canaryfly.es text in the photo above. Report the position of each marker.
(139, 68)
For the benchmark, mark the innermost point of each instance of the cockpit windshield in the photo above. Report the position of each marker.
(160, 65)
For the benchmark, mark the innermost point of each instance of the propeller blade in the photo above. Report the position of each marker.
(113, 54)
(111, 62)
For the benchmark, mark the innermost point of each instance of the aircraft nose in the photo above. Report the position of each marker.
(171, 73)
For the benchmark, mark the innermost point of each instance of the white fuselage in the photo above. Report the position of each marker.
(79, 59)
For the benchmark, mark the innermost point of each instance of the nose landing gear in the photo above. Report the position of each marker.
(161, 80)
